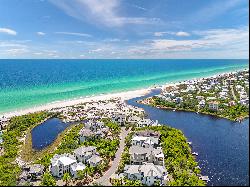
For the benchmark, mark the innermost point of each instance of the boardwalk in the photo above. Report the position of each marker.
(104, 180)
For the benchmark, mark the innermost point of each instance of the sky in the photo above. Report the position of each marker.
(130, 29)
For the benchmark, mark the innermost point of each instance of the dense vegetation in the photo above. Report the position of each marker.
(16, 128)
(232, 112)
(114, 127)
(126, 182)
(179, 162)
(105, 147)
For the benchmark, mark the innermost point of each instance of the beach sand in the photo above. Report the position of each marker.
(57, 104)
(123, 95)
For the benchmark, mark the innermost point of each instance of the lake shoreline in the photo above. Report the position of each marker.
(193, 111)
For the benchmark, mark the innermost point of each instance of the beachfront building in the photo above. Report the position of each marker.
(61, 164)
(148, 173)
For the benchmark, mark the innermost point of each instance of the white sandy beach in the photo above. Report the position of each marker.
(123, 95)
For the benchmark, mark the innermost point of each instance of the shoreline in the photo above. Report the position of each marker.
(125, 95)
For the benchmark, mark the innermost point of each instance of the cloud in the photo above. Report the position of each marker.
(100, 11)
(208, 39)
(40, 33)
(74, 34)
(16, 51)
(8, 31)
(96, 50)
(159, 33)
(181, 33)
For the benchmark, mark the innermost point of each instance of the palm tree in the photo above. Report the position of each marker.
(66, 178)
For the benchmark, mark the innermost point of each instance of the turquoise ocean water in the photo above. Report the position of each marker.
(29, 83)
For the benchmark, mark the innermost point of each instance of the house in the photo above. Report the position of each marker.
(202, 103)
(61, 164)
(244, 102)
(119, 119)
(94, 160)
(82, 154)
(74, 168)
(31, 172)
(133, 119)
(148, 173)
(94, 125)
(145, 141)
(199, 97)
(140, 155)
(1, 137)
(178, 100)
(146, 122)
(213, 105)
(148, 133)
(85, 134)
(36, 171)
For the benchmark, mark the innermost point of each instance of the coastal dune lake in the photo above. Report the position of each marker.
(222, 145)
(44, 134)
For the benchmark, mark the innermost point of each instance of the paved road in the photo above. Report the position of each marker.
(104, 180)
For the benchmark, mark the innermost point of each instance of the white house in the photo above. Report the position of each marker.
(82, 154)
(74, 168)
(148, 173)
(140, 155)
(202, 103)
(61, 164)
(94, 160)
(146, 122)
(85, 134)
(145, 141)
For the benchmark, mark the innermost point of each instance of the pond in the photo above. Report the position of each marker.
(222, 145)
(45, 134)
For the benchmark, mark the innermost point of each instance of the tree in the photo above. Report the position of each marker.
(157, 183)
(48, 180)
(66, 178)
(80, 174)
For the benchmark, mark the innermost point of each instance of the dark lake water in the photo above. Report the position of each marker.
(223, 145)
(45, 133)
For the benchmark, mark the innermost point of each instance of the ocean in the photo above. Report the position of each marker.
(28, 83)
